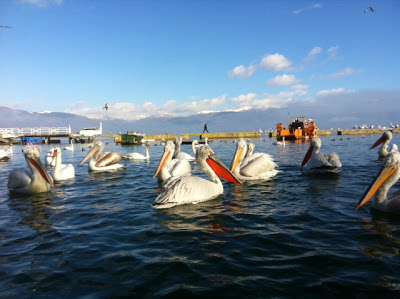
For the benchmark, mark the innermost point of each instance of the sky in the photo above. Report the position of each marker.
(180, 57)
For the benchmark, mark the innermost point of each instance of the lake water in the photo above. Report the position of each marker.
(297, 235)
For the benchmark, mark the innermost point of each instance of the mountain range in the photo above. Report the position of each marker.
(328, 112)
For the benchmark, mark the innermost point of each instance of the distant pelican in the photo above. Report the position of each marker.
(258, 166)
(139, 156)
(384, 140)
(386, 178)
(314, 160)
(62, 171)
(193, 189)
(6, 153)
(169, 167)
(34, 180)
(102, 161)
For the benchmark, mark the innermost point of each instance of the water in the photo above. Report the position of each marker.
(297, 235)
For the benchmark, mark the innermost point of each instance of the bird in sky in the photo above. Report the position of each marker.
(5, 27)
(369, 9)
(106, 106)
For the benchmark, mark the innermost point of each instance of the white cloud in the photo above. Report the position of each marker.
(299, 87)
(282, 80)
(313, 53)
(275, 62)
(333, 52)
(204, 105)
(242, 72)
(300, 10)
(344, 73)
(331, 91)
(43, 3)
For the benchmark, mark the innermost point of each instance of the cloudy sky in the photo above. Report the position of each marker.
(150, 58)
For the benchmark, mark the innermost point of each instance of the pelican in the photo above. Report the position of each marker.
(71, 147)
(384, 140)
(258, 166)
(49, 159)
(194, 189)
(178, 154)
(315, 160)
(62, 171)
(169, 167)
(386, 178)
(33, 180)
(139, 156)
(102, 161)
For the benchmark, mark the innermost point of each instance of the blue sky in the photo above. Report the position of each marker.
(147, 58)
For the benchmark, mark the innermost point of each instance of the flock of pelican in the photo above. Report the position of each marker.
(174, 171)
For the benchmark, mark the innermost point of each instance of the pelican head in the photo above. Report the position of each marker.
(315, 145)
(166, 157)
(97, 148)
(241, 149)
(386, 136)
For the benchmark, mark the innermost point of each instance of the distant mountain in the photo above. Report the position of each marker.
(336, 111)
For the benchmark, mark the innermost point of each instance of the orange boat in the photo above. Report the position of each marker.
(299, 128)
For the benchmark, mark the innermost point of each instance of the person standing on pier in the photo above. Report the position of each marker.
(205, 128)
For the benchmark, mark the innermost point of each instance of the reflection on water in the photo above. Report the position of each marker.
(34, 210)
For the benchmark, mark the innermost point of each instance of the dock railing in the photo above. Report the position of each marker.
(40, 131)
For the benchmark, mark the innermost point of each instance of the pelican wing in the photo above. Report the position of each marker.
(109, 159)
(186, 189)
(179, 167)
(257, 165)
(18, 178)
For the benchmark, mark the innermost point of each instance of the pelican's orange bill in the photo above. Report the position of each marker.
(379, 141)
(307, 156)
(221, 170)
(162, 163)
(39, 166)
(383, 175)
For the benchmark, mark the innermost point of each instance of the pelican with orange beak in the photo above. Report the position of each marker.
(380, 186)
(34, 180)
(255, 166)
(102, 161)
(169, 167)
(314, 160)
(194, 189)
(384, 140)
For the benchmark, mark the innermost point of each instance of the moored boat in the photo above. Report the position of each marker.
(298, 128)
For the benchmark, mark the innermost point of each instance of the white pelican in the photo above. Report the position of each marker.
(315, 160)
(71, 147)
(258, 166)
(33, 180)
(169, 167)
(102, 161)
(384, 140)
(178, 154)
(139, 156)
(194, 189)
(62, 171)
(50, 159)
(386, 178)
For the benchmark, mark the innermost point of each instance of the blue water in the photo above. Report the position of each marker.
(297, 235)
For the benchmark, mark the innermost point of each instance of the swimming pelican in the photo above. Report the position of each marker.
(315, 160)
(386, 178)
(384, 140)
(62, 171)
(169, 167)
(178, 154)
(139, 156)
(71, 147)
(102, 161)
(50, 159)
(33, 180)
(258, 166)
(194, 189)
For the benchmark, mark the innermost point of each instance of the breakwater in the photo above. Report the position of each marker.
(202, 136)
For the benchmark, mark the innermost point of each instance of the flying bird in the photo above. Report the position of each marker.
(5, 27)
(106, 106)
(369, 9)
